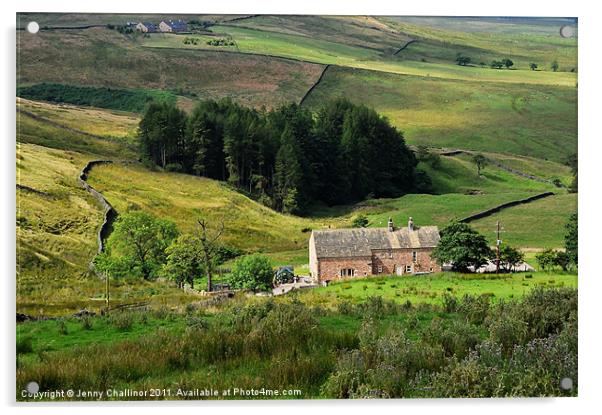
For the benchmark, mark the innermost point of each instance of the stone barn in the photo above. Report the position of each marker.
(357, 252)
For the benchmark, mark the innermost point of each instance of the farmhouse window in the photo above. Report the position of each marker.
(390, 254)
(414, 256)
(380, 269)
(347, 272)
(408, 268)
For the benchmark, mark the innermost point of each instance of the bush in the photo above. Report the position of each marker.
(62, 327)
(86, 322)
(252, 272)
(122, 320)
(360, 221)
(24, 345)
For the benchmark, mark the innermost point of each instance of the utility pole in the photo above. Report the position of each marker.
(497, 248)
(107, 291)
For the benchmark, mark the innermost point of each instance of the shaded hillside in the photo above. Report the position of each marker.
(105, 58)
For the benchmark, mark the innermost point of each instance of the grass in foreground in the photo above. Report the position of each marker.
(525, 347)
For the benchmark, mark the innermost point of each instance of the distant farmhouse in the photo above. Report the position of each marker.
(344, 253)
(173, 26)
(146, 27)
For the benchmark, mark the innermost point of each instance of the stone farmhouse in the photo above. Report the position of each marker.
(347, 253)
(173, 26)
(146, 27)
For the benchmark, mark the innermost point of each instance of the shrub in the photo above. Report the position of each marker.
(62, 327)
(252, 272)
(508, 332)
(24, 345)
(474, 308)
(122, 320)
(86, 322)
(450, 303)
(360, 221)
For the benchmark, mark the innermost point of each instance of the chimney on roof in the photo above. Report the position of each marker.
(411, 224)
(390, 225)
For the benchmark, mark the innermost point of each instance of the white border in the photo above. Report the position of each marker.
(590, 148)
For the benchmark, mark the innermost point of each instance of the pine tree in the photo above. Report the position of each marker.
(288, 175)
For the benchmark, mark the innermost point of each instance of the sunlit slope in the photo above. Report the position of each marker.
(100, 122)
(185, 198)
(540, 224)
(524, 41)
(57, 223)
(253, 41)
(526, 119)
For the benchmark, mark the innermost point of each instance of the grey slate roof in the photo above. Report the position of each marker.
(150, 26)
(177, 25)
(360, 242)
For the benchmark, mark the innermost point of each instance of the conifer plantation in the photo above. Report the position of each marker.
(288, 158)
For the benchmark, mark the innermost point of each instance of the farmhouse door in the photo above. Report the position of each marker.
(398, 269)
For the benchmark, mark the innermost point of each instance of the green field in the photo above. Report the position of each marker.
(524, 42)
(431, 288)
(260, 42)
(468, 114)
(538, 224)
(109, 124)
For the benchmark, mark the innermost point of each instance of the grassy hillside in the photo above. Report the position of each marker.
(458, 174)
(525, 41)
(362, 31)
(57, 223)
(535, 120)
(538, 224)
(35, 131)
(253, 41)
(105, 58)
(93, 121)
(184, 198)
